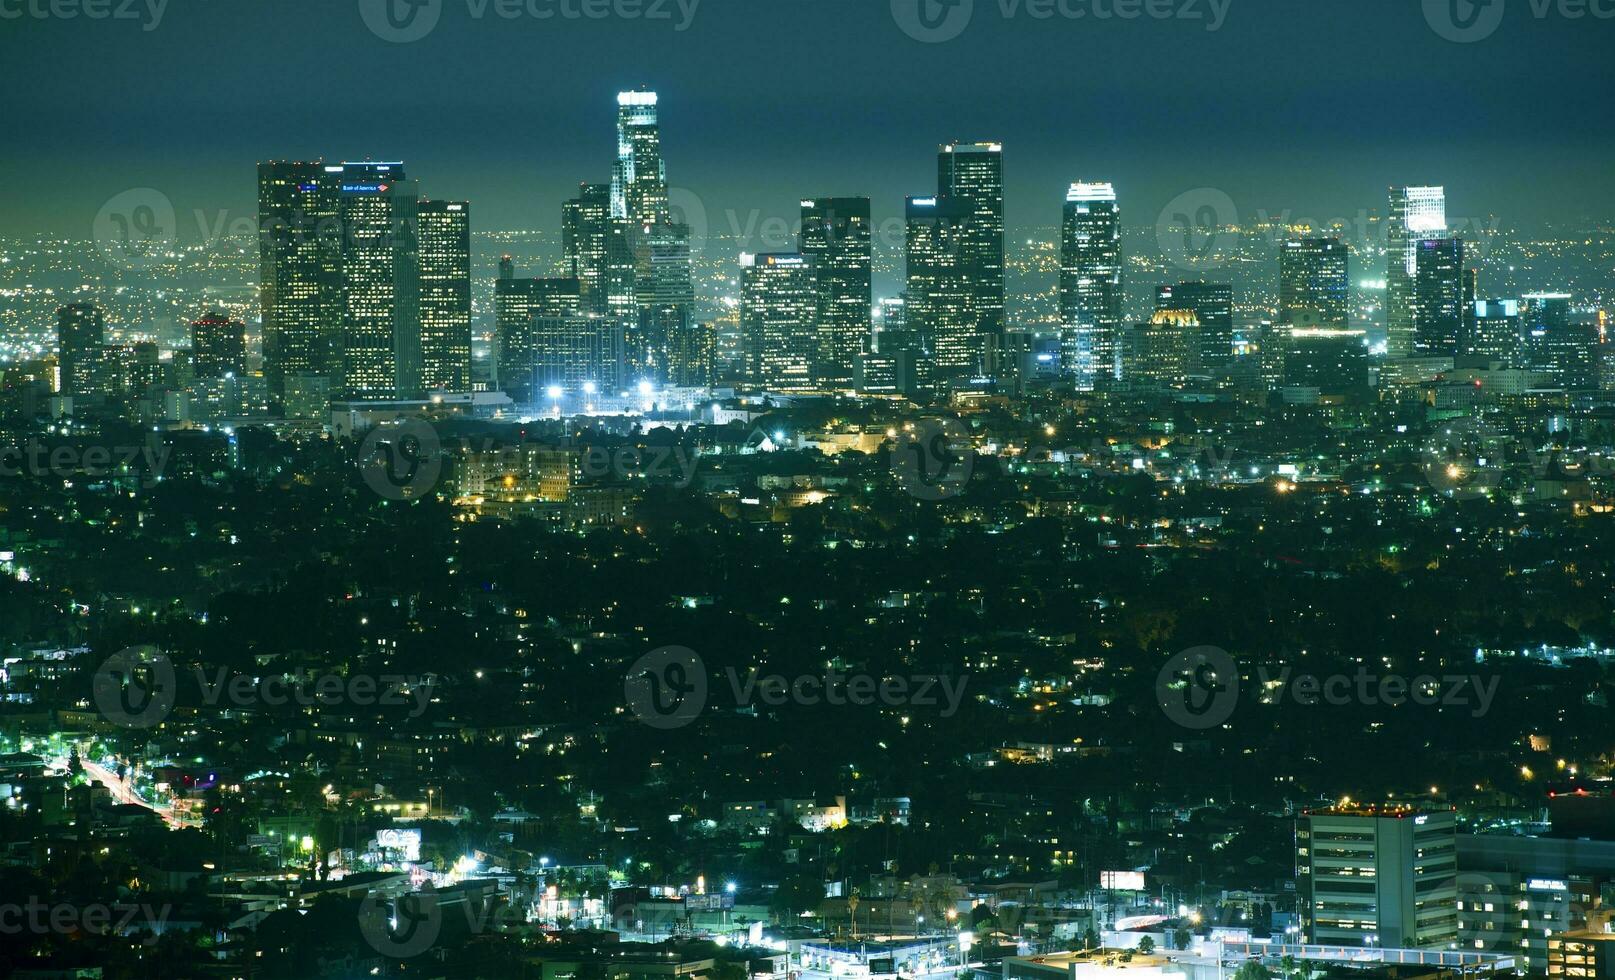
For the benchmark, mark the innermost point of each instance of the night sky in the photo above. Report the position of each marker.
(1311, 105)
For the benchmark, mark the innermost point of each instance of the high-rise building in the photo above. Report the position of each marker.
(81, 330)
(1213, 307)
(778, 320)
(974, 173)
(939, 307)
(1494, 332)
(1314, 283)
(1438, 296)
(576, 357)
(639, 179)
(300, 244)
(519, 306)
(1159, 353)
(836, 235)
(1417, 214)
(599, 250)
(665, 297)
(1333, 360)
(1091, 285)
(1557, 344)
(1585, 954)
(445, 295)
(1515, 892)
(1377, 876)
(378, 207)
(218, 347)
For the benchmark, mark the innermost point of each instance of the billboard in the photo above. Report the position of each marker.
(1122, 881)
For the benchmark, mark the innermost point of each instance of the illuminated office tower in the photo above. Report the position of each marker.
(836, 237)
(1494, 332)
(1438, 296)
(599, 250)
(1091, 286)
(639, 180)
(974, 173)
(1377, 876)
(1313, 282)
(939, 308)
(577, 357)
(1213, 307)
(299, 275)
(1417, 214)
(660, 347)
(381, 324)
(445, 297)
(519, 305)
(81, 330)
(1159, 353)
(778, 320)
(218, 347)
(1556, 343)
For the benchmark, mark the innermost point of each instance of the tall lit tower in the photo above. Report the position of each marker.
(778, 317)
(1438, 296)
(81, 329)
(939, 306)
(445, 299)
(1313, 282)
(639, 180)
(974, 173)
(836, 236)
(299, 272)
(381, 327)
(1417, 214)
(1091, 285)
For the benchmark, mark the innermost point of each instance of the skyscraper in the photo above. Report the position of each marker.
(1417, 213)
(218, 347)
(81, 330)
(665, 296)
(1438, 296)
(1213, 306)
(1159, 352)
(599, 250)
(381, 326)
(778, 320)
(639, 180)
(1313, 282)
(939, 307)
(1091, 285)
(520, 307)
(1370, 876)
(1494, 332)
(299, 274)
(445, 297)
(836, 237)
(974, 173)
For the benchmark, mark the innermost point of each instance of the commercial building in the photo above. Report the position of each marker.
(1377, 876)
